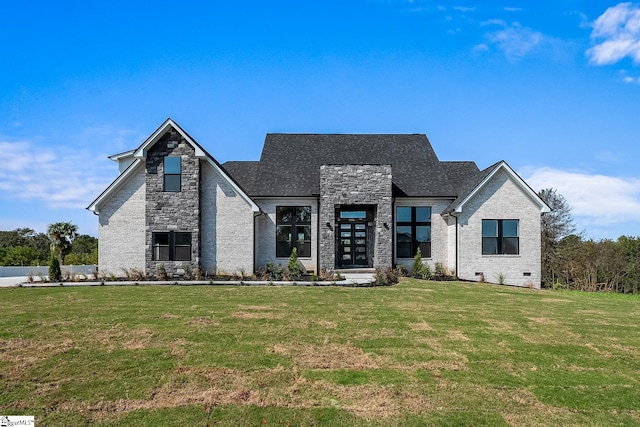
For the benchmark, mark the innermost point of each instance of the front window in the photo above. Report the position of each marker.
(413, 231)
(172, 173)
(293, 230)
(171, 246)
(500, 237)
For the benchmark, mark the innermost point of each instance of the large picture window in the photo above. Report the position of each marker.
(293, 230)
(172, 173)
(500, 237)
(171, 246)
(413, 231)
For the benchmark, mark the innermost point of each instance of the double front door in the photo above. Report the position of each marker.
(352, 245)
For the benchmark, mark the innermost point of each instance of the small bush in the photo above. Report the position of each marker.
(161, 272)
(294, 269)
(55, 274)
(420, 270)
(324, 274)
(272, 272)
(188, 271)
(402, 271)
(386, 277)
(501, 278)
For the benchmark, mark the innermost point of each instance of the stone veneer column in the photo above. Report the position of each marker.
(356, 185)
(172, 211)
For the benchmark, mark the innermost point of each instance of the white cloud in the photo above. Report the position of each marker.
(60, 177)
(464, 9)
(597, 201)
(513, 39)
(619, 29)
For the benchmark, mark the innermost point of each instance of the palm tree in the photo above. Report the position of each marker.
(62, 235)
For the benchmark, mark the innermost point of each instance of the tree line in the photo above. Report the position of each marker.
(26, 247)
(569, 261)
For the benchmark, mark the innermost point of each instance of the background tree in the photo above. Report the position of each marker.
(62, 235)
(556, 225)
(23, 246)
(84, 250)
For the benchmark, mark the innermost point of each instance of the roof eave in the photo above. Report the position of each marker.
(95, 205)
(141, 152)
(502, 165)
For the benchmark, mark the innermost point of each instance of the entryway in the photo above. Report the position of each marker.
(352, 247)
(354, 236)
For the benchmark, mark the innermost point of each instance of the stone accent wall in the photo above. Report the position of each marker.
(172, 211)
(501, 198)
(122, 221)
(266, 232)
(356, 185)
(227, 226)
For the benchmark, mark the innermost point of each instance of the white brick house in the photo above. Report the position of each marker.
(343, 201)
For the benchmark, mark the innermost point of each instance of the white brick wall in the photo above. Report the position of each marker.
(121, 227)
(266, 232)
(227, 224)
(439, 231)
(501, 198)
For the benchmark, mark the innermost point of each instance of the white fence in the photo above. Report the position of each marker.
(44, 270)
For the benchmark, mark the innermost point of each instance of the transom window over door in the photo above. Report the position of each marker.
(500, 237)
(172, 173)
(413, 231)
(293, 230)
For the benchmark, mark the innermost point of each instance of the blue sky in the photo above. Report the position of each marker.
(552, 87)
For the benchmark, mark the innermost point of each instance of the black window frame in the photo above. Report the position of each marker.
(296, 226)
(174, 245)
(413, 224)
(500, 244)
(169, 184)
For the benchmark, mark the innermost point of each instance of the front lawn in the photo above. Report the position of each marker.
(419, 353)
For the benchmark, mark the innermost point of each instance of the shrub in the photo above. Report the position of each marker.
(294, 268)
(272, 272)
(187, 270)
(161, 272)
(386, 277)
(501, 278)
(420, 270)
(55, 274)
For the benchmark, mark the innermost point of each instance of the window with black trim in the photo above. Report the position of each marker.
(172, 173)
(413, 231)
(500, 237)
(171, 246)
(293, 230)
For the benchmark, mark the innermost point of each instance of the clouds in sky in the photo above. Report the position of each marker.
(515, 40)
(596, 200)
(59, 178)
(617, 35)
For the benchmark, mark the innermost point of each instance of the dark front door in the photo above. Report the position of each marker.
(352, 245)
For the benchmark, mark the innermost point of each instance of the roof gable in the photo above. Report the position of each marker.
(477, 182)
(140, 155)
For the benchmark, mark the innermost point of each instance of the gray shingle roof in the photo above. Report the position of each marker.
(290, 164)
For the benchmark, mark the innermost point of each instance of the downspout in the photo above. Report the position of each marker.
(255, 236)
(457, 249)
(454, 214)
(318, 234)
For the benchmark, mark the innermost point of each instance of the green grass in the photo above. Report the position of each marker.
(419, 353)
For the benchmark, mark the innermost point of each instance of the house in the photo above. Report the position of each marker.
(343, 201)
